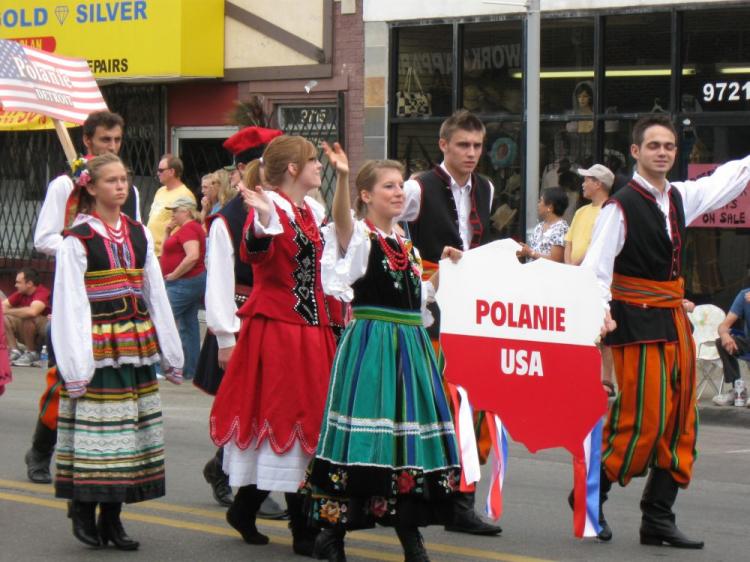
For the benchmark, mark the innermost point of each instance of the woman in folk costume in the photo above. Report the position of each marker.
(268, 408)
(112, 324)
(387, 449)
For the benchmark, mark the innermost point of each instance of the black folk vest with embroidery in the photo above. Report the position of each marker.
(437, 223)
(648, 253)
(114, 274)
(383, 286)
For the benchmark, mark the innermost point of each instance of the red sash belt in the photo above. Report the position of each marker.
(664, 294)
(428, 269)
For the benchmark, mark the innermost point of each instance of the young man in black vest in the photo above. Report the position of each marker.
(228, 285)
(637, 254)
(102, 133)
(450, 205)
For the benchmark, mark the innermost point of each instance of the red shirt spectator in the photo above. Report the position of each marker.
(173, 251)
(41, 294)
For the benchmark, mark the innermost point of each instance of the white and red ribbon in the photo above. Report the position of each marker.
(586, 473)
(499, 464)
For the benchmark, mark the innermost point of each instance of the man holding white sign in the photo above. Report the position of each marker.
(450, 206)
(637, 253)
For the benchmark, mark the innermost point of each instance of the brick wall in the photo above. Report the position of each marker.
(349, 61)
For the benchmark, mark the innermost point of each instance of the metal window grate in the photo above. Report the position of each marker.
(317, 123)
(29, 160)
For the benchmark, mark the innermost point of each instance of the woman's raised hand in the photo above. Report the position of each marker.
(337, 157)
(257, 199)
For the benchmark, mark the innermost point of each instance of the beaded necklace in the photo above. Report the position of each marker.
(117, 235)
(305, 220)
(398, 260)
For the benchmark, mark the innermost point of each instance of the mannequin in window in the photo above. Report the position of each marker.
(583, 104)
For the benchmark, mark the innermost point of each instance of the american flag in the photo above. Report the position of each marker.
(59, 87)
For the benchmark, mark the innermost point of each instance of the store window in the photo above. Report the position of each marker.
(567, 94)
(567, 67)
(502, 163)
(716, 60)
(425, 71)
(637, 63)
(637, 74)
(417, 146)
(492, 67)
(492, 87)
(717, 253)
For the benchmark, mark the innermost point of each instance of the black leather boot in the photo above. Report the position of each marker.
(111, 529)
(658, 522)
(241, 514)
(329, 545)
(83, 515)
(605, 485)
(303, 536)
(38, 458)
(465, 519)
(219, 482)
(412, 543)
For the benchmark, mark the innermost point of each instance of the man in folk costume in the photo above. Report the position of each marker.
(450, 206)
(225, 293)
(637, 255)
(102, 133)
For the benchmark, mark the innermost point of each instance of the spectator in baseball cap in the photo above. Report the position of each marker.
(597, 184)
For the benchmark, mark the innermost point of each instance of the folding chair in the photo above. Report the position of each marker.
(706, 319)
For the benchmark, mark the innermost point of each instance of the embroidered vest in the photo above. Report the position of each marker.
(382, 286)
(121, 325)
(286, 276)
(437, 223)
(648, 253)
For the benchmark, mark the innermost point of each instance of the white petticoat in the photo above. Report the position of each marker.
(264, 468)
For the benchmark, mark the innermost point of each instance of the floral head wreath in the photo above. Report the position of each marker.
(80, 172)
(81, 177)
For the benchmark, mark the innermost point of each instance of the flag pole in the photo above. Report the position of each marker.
(65, 140)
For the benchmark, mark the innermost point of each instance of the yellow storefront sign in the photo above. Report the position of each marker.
(26, 121)
(127, 39)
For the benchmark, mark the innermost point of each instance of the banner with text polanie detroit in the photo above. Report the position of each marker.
(520, 339)
(38, 82)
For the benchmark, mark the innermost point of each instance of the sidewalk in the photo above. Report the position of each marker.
(711, 414)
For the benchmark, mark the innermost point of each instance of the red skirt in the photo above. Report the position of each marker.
(275, 386)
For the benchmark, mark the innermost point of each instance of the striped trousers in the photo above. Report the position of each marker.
(644, 428)
(49, 402)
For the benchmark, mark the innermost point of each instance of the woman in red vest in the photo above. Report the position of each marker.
(268, 409)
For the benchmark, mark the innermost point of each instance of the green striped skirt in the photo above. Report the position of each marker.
(387, 432)
(110, 443)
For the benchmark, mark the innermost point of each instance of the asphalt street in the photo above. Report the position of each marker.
(188, 525)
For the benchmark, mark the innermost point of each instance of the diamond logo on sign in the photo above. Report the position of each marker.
(61, 13)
